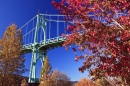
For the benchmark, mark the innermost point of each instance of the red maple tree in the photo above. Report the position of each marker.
(103, 28)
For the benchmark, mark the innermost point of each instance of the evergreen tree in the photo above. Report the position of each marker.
(11, 57)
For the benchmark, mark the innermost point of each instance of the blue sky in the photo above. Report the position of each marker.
(21, 11)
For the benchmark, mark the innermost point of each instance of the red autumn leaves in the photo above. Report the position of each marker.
(108, 41)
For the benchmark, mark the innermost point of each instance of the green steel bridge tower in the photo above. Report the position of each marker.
(37, 38)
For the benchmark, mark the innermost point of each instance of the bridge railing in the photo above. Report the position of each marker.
(55, 26)
(51, 40)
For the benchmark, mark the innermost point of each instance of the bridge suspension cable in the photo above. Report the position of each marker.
(58, 26)
(27, 23)
(49, 26)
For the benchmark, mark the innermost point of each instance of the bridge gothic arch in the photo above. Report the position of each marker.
(36, 52)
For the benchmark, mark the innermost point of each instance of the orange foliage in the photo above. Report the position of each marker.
(56, 78)
(11, 57)
(84, 82)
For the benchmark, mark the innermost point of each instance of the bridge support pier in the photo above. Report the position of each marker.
(35, 56)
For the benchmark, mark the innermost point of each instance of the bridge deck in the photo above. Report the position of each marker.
(45, 45)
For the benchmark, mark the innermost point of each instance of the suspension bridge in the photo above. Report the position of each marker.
(40, 34)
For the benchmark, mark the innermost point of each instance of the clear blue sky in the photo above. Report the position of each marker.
(21, 11)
